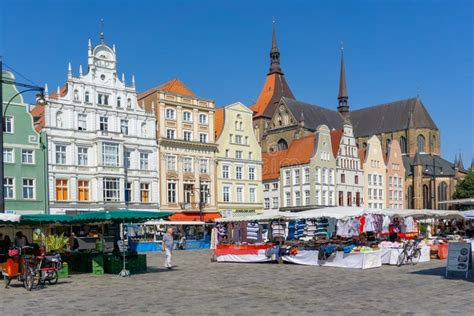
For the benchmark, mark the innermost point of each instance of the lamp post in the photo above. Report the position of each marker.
(201, 202)
(433, 178)
(40, 101)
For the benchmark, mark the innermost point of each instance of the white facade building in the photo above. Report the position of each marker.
(271, 195)
(102, 148)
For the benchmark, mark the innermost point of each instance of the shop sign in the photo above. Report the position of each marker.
(459, 257)
(227, 213)
(10, 212)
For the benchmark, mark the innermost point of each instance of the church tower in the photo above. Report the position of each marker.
(343, 105)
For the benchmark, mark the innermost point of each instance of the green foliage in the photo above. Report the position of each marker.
(465, 188)
(55, 242)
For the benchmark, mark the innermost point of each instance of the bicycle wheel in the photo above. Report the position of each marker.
(401, 258)
(416, 256)
(54, 278)
(29, 280)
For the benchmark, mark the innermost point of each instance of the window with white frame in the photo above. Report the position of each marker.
(87, 98)
(266, 203)
(127, 159)
(250, 155)
(226, 194)
(171, 192)
(252, 196)
(28, 189)
(8, 155)
(238, 139)
(380, 194)
(324, 196)
(27, 156)
(204, 165)
(318, 175)
(287, 177)
(119, 102)
(307, 197)
(297, 198)
(61, 154)
(238, 172)
(318, 197)
(266, 187)
(202, 119)
(124, 126)
(275, 186)
(8, 124)
(170, 114)
(111, 190)
(170, 133)
(275, 202)
(225, 171)
(171, 163)
(144, 161)
(203, 137)
(82, 122)
(297, 176)
(102, 99)
(324, 176)
(110, 153)
(104, 123)
(9, 188)
(331, 176)
(369, 177)
(82, 156)
(370, 193)
(238, 154)
(306, 175)
(331, 197)
(187, 116)
(251, 173)
(240, 197)
(287, 199)
(144, 192)
(380, 180)
(187, 135)
(188, 164)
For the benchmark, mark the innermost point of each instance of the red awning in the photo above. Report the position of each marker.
(206, 217)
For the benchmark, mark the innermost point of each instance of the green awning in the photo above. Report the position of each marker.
(29, 219)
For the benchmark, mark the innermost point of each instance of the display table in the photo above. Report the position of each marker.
(390, 255)
(355, 260)
(144, 246)
(241, 253)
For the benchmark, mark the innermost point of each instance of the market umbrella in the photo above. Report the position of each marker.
(9, 218)
(29, 219)
(118, 216)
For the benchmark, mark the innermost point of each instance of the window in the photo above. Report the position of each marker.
(250, 156)
(129, 103)
(287, 199)
(8, 124)
(325, 194)
(390, 182)
(252, 197)
(170, 133)
(380, 180)
(144, 161)
(124, 127)
(275, 186)
(119, 102)
(331, 176)
(187, 135)
(307, 198)
(225, 171)
(102, 99)
(59, 119)
(282, 144)
(297, 176)
(380, 194)
(324, 175)
(144, 192)
(356, 179)
(331, 195)
(171, 163)
(188, 164)
(349, 198)
(27, 156)
(203, 137)
(61, 190)
(104, 124)
(266, 203)
(110, 154)
(187, 116)
(82, 156)
(127, 159)
(82, 122)
(318, 175)
(274, 202)
(238, 172)
(238, 154)
(87, 97)
(306, 175)
(318, 197)
(8, 188)
(203, 166)
(227, 153)
(202, 119)
(204, 193)
(238, 139)
(226, 194)
(287, 177)
(83, 190)
(420, 142)
(341, 198)
(251, 173)
(76, 95)
(403, 145)
(170, 114)
(128, 192)
(111, 189)
(374, 179)
(266, 187)
(61, 154)
(239, 194)
(343, 178)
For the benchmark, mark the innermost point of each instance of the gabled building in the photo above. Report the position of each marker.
(271, 179)
(186, 138)
(238, 162)
(102, 150)
(395, 177)
(24, 155)
(375, 170)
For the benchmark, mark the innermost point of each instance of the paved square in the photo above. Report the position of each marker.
(198, 286)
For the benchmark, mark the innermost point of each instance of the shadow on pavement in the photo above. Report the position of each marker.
(441, 272)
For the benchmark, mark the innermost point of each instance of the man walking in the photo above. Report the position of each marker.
(167, 247)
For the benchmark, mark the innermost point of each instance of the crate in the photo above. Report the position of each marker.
(98, 265)
(63, 273)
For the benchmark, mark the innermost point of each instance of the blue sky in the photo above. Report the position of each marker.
(393, 49)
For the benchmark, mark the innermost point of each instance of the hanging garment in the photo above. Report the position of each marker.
(353, 227)
(259, 233)
(409, 224)
(278, 230)
(331, 228)
(300, 225)
(213, 238)
(385, 224)
(243, 232)
(252, 232)
(236, 233)
(369, 223)
(310, 229)
(361, 224)
(291, 229)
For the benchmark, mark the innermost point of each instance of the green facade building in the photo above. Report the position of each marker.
(24, 155)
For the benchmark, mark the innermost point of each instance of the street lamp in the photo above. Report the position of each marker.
(201, 202)
(39, 101)
(433, 178)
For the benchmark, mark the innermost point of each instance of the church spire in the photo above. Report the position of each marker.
(274, 55)
(343, 106)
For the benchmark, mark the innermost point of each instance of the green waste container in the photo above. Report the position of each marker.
(98, 265)
(63, 273)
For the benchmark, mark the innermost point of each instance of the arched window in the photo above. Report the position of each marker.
(280, 122)
(241, 126)
(433, 142)
(426, 197)
(442, 195)
(119, 102)
(282, 144)
(403, 145)
(170, 114)
(420, 142)
(59, 119)
(388, 142)
(202, 119)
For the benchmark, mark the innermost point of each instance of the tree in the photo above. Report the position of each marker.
(465, 188)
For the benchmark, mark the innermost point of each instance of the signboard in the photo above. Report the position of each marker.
(459, 257)
(10, 212)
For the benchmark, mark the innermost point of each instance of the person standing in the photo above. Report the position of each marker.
(167, 247)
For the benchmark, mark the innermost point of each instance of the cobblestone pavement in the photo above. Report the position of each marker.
(197, 286)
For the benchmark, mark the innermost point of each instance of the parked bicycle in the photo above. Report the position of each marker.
(411, 253)
(47, 269)
(22, 265)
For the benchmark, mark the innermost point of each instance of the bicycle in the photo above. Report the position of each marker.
(411, 253)
(21, 266)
